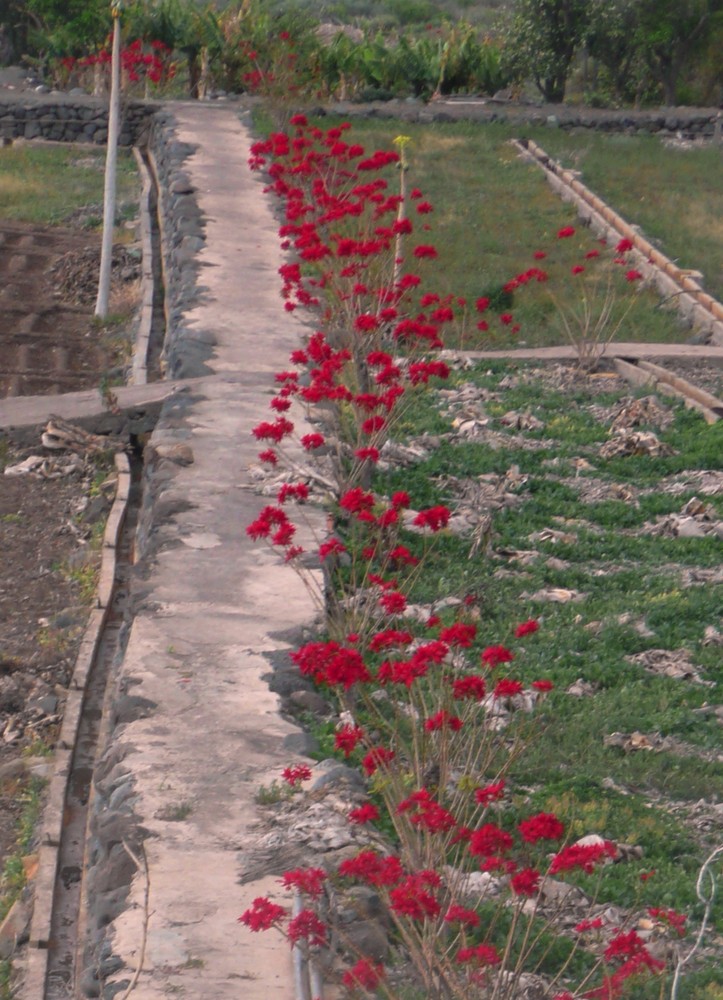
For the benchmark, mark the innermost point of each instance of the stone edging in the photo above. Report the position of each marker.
(182, 236)
(35, 972)
(145, 321)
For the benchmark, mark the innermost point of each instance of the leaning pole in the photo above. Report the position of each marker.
(106, 251)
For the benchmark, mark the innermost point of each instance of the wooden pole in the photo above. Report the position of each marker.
(106, 252)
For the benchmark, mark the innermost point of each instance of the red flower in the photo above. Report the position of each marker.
(372, 868)
(393, 602)
(633, 275)
(356, 499)
(583, 856)
(525, 882)
(306, 925)
(366, 322)
(526, 628)
(411, 897)
(480, 954)
(331, 547)
(543, 685)
(308, 880)
(565, 232)
(443, 720)
(364, 814)
(434, 518)
(269, 456)
(389, 637)
(373, 424)
(472, 687)
(427, 813)
(494, 655)
(376, 757)
(624, 245)
(482, 304)
(589, 925)
(671, 917)
(488, 840)
(539, 255)
(363, 975)
(424, 208)
(624, 945)
(262, 914)
(490, 793)
(292, 491)
(312, 441)
(425, 250)
(273, 432)
(461, 915)
(401, 553)
(592, 254)
(459, 635)
(295, 775)
(506, 319)
(346, 739)
(543, 826)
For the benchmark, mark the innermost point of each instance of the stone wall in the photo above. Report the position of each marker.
(691, 123)
(186, 348)
(71, 119)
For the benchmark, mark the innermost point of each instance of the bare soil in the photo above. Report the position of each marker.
(49, 523)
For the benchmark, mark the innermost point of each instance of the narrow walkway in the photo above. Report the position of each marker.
(215, 609)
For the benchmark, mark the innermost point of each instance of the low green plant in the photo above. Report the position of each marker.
(271, 795)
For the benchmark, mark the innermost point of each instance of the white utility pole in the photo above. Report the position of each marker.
(106, 251)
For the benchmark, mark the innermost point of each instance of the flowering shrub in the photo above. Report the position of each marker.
(151, 63)
(430, 710)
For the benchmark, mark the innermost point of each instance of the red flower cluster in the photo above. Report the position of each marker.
(427, 813)
(262, 914)
(295, 775)
(307, 880)
(373, 868)
(543, 826)
(582, 856)
(412, 897)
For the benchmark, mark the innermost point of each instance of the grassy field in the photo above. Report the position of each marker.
(580, 530)
(48, 184)
(492, 212)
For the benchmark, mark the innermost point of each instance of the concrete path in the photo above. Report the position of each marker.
(215, 609)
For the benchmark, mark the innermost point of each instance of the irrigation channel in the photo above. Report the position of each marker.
(57, 935)
(66, 937)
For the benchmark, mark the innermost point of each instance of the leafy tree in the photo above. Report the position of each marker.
(542, 41)
(67, 27)
(613, 40)
(672, 33)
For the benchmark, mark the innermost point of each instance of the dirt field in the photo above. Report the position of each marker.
(49, 344)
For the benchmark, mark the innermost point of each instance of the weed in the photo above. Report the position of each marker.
(175, 813)
(13, 877)
(271, 795)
